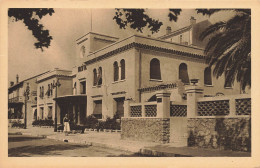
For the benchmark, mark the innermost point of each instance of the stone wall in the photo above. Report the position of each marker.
(220, 133)
(146, 129)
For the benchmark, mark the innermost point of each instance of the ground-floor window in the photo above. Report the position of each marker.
(120, 107)
(50, 112)
(41, 112)
(98, 109)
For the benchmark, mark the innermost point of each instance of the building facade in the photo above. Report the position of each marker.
(135, 68)
(19, 103)
(55, 83)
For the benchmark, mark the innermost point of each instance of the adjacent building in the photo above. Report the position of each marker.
(51, 85)
(22, 100)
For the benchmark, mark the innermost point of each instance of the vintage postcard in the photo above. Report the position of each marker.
(149, 83)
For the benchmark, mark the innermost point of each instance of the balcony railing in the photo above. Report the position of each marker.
(16, 99)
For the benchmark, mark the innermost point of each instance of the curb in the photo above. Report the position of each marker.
(15, 133)
(154, 153)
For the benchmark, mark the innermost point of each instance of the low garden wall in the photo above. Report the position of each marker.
(146, 129)
(220, 133)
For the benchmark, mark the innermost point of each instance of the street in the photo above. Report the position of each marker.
(29, 146)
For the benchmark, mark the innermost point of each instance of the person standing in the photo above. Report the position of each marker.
(66, 125)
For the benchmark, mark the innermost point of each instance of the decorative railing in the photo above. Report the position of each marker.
(213, 108)
(228, 106)
(16, 99)
(150, 110)
(243, 106)
(177, 110)
(136, 111)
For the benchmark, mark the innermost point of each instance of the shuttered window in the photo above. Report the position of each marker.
(50, 112)
(98, 109)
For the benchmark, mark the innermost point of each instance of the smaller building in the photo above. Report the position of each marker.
(50, 85)
(21, 106)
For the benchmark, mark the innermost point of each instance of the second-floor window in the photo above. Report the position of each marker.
(116, 71)
(207, 76)
(94, 77)
(83, 87)
(183, 73)
(155, 71)
(122, 65)
(227, 83)
(99, 78)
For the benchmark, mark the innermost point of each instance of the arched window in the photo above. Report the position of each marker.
(94, 77)
(116, 71)
(99, 78)
(207, 76)
(155, 71)
(122, 64)
(228, 83)
(183, 73)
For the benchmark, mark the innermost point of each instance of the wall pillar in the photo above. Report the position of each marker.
(193, 93)
(127, 108)
(232, 107)
(163, 104)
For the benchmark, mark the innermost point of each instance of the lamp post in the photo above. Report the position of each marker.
(56, 85)
(26, 97)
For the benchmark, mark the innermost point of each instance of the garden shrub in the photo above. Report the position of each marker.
(18, 124)
(46, 122)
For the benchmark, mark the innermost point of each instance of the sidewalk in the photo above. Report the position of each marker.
(113, 140)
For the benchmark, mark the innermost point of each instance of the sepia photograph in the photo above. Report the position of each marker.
(129, 82)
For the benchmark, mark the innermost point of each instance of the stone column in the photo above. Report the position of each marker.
(163, 104)
(232, 107)
(193, 93)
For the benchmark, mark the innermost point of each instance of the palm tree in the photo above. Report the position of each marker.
(229, 47)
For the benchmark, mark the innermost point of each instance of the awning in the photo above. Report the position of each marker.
(79, 99)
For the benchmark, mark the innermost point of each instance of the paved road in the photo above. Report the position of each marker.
(28, 146)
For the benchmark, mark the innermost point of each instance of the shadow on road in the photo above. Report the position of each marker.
(19, 139)
(41, 150)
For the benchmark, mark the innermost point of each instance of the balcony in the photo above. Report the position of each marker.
(18, 99)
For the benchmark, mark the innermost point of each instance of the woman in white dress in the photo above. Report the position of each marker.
(66, 125)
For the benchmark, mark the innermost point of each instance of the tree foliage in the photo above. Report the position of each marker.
(31, 17)
(229, 47)
(137, 19)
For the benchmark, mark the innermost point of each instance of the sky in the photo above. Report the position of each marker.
(67, 25)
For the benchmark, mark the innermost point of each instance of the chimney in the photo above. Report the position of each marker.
(11, 83)
(168, 30)
(192, 20)
(17, 78)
